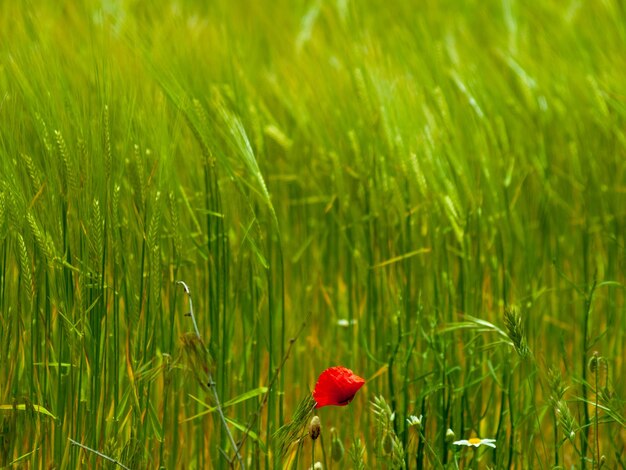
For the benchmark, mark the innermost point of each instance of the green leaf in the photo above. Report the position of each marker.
(254, 436)
(210, 409)
(23, 407)
(245, 396)
(22, 457)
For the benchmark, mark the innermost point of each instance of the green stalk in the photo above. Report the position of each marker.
(584, 436)
(212, 384)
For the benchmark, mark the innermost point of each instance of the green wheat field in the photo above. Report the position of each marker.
(430, 193)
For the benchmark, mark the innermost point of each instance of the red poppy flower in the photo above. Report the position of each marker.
(336, 386)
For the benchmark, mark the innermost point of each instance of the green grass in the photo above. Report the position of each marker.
(447, 176)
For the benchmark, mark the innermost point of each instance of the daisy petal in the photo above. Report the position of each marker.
(462, 442)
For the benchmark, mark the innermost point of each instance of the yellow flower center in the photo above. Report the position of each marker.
(474, 440)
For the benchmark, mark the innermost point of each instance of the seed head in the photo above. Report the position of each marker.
(387, 444)
(515, 331)
(556, 384)
(566, 420)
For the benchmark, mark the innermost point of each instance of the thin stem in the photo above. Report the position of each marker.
(597, 361)
(254, 418)
(99, 454)
(212, 385)
(423, 439)
(193, 318)
(325, 463)
(556, 439)
(588, 305)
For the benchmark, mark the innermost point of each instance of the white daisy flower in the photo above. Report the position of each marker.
(476, 442)
(414, 421)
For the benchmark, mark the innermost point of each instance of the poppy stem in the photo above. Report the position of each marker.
(212, 386)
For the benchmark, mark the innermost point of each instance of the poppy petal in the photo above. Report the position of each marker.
(336, 386)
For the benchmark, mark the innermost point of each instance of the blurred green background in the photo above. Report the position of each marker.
(396, 175)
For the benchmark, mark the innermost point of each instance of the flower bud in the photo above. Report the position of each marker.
(336, 447)
(415, 422)
(315, 428)
(593, 363)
